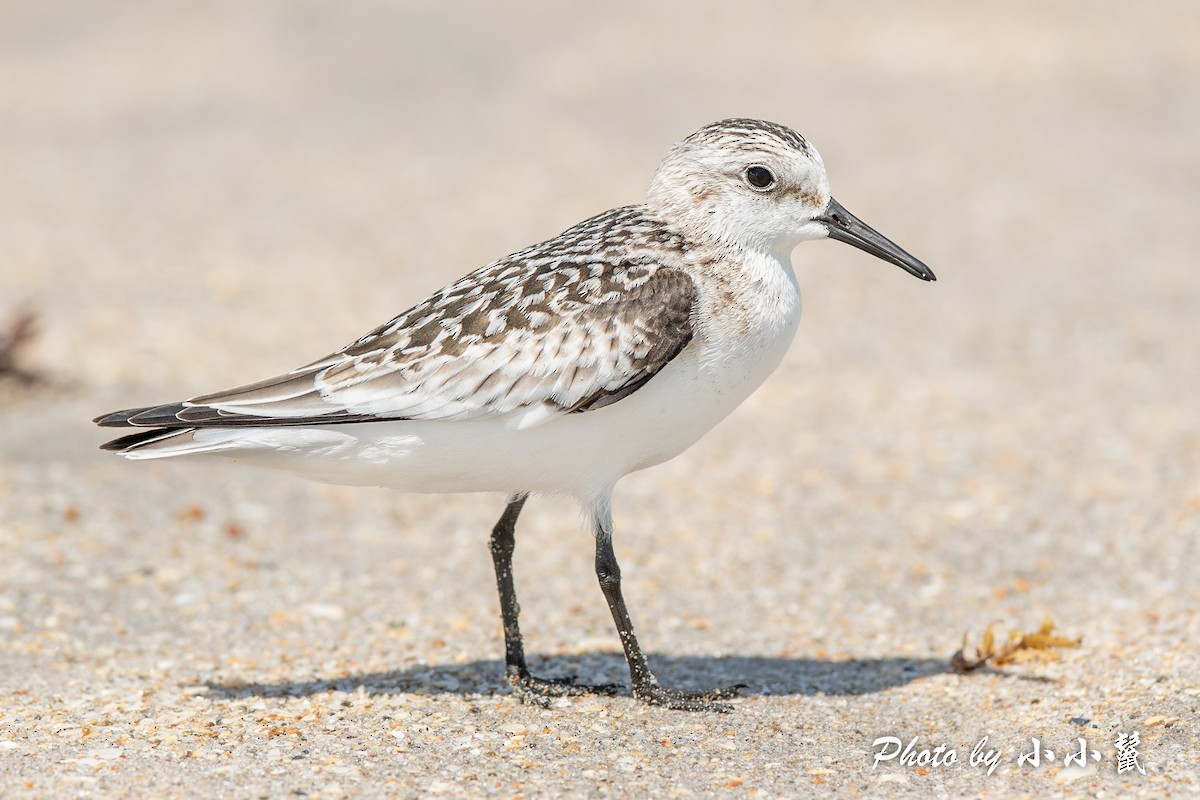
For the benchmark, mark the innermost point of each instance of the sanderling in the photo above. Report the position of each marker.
(558, 369)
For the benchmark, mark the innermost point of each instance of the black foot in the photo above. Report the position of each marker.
(709, 700)
(539, 691)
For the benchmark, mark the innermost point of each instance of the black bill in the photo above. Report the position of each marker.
(845, 227)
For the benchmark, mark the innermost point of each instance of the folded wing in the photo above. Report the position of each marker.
(528, 339)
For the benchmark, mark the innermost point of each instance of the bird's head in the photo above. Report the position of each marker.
(761, 186)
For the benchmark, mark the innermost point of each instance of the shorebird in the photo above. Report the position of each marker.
(558, 369)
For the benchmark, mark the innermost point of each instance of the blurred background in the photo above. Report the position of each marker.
(195, 195)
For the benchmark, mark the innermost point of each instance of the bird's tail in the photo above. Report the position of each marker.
(168, 442)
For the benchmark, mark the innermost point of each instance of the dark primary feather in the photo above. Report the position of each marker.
(179, 415)
(142, 437)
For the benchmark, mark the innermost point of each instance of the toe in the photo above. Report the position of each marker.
(686, 701)
(531, 689)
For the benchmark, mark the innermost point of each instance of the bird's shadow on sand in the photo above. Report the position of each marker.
(760, 675)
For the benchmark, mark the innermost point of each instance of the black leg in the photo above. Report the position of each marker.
(645, 685)
(503, 542)
(516, 672)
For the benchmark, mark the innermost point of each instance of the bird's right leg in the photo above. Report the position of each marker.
(645, 685)
(516, 672)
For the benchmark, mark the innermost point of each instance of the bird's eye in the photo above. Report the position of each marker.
(760, 177)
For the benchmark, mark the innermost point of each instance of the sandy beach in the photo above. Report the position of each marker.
(194, 196)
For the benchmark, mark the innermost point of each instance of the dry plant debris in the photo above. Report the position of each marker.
(1040, 645)
(13, 337)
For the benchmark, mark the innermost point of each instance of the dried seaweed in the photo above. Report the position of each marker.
(1039, 645)
(14, 336)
